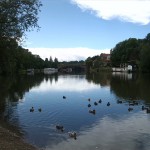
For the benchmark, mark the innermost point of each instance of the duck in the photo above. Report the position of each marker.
(60, 127)
(119, 101)
(130, 109)
(64, 97)
(135, 103)
(40, 109)
(143, 107)
(32, 109)
(147, 110)
(131, 104)
(100, 101)
(73, 134)
(89, 99)
(95, 103)
(92, 111)
(108, 104)
(89, 105)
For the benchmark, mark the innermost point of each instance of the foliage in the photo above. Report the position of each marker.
(14, 58)
(95, 64)
(125, 51)
(133, 51)
(77, 66)
(17, 17)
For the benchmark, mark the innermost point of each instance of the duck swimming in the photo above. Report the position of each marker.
(89, 105)
(130, 109)
(100, 101)
(92, 111)
(108, 104)
(135, 103)
(95, 103)
(60, 127)
(143, 107)
(119, 101)
(32, 109)
(39, 109)
(73, 134)
(147, 110)
(64, 97)
(131, 104)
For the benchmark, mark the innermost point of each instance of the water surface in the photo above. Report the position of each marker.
(111, 128)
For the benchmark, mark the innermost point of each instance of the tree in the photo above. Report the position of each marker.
(148, 37)
(17, 17)
(145, 58)
(125, 51)
(55, 63)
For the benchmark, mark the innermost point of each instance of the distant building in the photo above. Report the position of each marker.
(123, 68)
(105, 58)
(50, 70)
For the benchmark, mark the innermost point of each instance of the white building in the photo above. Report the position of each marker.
(123, 69)
(50, 70)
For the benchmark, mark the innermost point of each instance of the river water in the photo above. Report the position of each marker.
(112, 127)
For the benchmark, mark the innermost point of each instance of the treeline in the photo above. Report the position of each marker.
(14, 58)
(76, 66)
(135, 52)
(16, 18)
(97, 64)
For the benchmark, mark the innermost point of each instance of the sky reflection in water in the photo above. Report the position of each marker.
(111, 128)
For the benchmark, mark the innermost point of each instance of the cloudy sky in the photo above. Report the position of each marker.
(76, 29)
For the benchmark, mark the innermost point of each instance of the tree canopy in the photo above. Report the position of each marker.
(17, 17)
(133, 50)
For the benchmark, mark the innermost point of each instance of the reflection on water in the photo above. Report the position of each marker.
(110, 128)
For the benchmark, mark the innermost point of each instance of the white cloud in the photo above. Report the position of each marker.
(135, 11)
(67, 54)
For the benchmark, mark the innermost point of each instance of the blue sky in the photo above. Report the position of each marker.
(76, 29)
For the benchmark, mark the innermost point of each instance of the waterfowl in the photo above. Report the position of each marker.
(131, 104)
(148, 110)
(73, 134)
(64, 97)
(60, 127)
(39, 109)
(135, 103)
(89, 105)
(130, 109)
(100, 101)
(108, 104)
(32, 109)
(92, 111)
(119, 101)
(95, 103)
(143, 107)
(89, 99)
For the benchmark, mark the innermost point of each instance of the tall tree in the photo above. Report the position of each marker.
(17, 17)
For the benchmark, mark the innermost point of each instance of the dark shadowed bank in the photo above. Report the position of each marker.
(11, 140)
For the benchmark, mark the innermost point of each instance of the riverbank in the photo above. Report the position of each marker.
(12, 141)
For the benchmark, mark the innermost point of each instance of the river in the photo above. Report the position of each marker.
(114, 127)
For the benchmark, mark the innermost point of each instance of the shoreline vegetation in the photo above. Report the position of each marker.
(134, 52)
